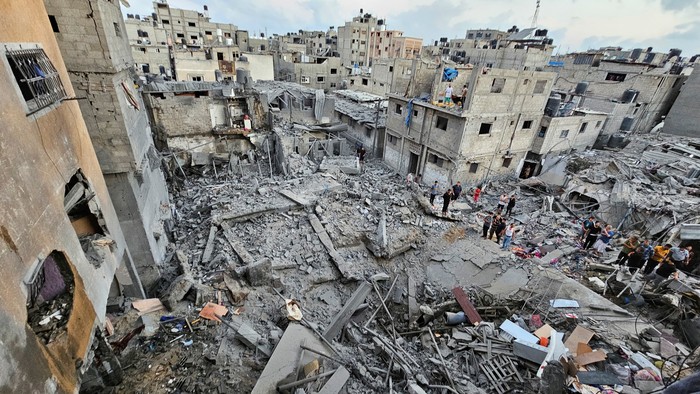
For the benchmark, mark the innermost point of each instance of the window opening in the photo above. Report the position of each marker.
(37, 78)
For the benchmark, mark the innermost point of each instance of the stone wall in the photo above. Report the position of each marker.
(683, 117)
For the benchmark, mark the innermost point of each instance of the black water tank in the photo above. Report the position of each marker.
(674, 52)
(617, 140)
(552, 106)
(627, 123)
(629, 95)
(581, 88)
(636, 53)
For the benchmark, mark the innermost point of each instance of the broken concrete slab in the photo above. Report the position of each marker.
(260, 272)
(209, 248)
(295, 197)
(238, 247)
(529, 351)
(343, 317)
(287, 355)
(177, 290)
(344, 267)
(336, 382)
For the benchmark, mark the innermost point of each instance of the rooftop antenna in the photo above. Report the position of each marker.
(534, 17)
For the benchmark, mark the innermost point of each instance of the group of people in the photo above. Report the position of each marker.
(658, 262)
(450, 195)
(449, 93)
(496, 225)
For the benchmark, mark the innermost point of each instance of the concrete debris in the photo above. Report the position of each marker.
(390, 296)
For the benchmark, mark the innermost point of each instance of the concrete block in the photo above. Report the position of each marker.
(260, 272)
(177, 290)
(529, 351)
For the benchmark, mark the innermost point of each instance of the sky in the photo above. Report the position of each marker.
(574, 24)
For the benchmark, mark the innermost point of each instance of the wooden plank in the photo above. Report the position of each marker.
(544, 331)
(209, 249)
(590, 358)
(238, 248)
(336, 382)
(343, 317)
(467, 306)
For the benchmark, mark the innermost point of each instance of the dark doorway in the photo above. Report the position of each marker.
(528, 170)
(413, 163)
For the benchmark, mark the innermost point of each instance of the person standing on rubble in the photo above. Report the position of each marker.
(508, 233)
(477, 193)
(628, 247)
(635, 259)
(446, 198)
(495, 222)
(456, 190)
(587, 224)
(679, 256)
(666, 268)
(464, 96)
(592, 235)
(604, 239)
(500, 230)
(433, 193)
(660, 255)
(511, 205)
(487, 224)
(502, 202)
(648, 250)
(409, 180)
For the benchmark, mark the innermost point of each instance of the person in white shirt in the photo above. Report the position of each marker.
(508, 236)
(448, 94)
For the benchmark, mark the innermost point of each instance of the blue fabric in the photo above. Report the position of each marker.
(606, 239)
(449, 74)
(409, 110)
(506, 242)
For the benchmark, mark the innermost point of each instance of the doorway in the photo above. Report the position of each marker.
(413, 163)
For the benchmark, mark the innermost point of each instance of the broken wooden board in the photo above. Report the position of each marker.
(343, 266)
(343, 317)
(590, 358)
(467, 306)
(336, 382)
(295, 197)
(238, 248)
(209, 248)
(579, 335)
(210, 310)
(544, 331)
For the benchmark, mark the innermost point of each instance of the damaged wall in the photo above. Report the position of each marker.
(41, 153)
(98, 58)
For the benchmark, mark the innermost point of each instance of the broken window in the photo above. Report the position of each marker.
(180, 35)
(564, 134)
(473, 168)
(485, 128)
(391, 139)
(436, 160)
(441, 123)
(543, 131)
(507, 161)
(117, 29)
(145, 68)
(539, 86)
(415, 113)
(598, 123)
(197, 78)
(37, 78)
(142, 49)
(618, 77)
(50, 290)
(397, 109)
(320, 78)
(583, 127)
(497, 85)
(333, 84)
(334, 71)
(191, 24)
(305, 79)
(527, 124)
(166, 22)
(193, 38)
(365, 81)
(368, 133)
(219, 56)
(391, 69)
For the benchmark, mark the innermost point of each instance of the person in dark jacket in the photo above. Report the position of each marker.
(500, 230)
(456, 190)
(446, 198)
(635, 259)
(592, 235)
(487, 224)
(511, 205)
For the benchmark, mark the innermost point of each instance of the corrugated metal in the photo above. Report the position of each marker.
(690, 231)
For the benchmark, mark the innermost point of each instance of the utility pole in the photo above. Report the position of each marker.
(537, 13)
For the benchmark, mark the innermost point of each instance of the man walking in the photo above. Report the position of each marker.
(448, 94)
(433, 193)
(629, 246)
(500, 230)
(446, 198)
(592, 235)
(587, 224)
(487, 224)
(660, 255)
(456, 190)
(464, 96)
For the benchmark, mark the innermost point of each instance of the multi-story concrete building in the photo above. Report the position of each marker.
(684, 118)
(321, 73)
(636, 95)
(490, 137)
(54, 205)
(97, 55)
(391, 44)
(323, 44)
(354, 39)
(150, 46)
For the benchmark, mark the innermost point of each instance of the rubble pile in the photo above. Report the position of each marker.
(331, 281)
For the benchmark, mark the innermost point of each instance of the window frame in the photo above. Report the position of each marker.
(13, 56)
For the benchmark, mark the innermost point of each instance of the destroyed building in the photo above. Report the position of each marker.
(681, 118)
(97, 55)
(62, 248)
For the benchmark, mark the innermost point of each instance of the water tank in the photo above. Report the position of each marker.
(243, 78)
(229, 41)
(242, 59)
(674, 52)
(636, 53)
(617, 140)
(219, 33)
(552, 106)
(581, 88)
(218, 75)
(627, 123)
(629, 95)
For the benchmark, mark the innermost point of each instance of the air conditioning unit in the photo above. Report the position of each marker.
(305, 79)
